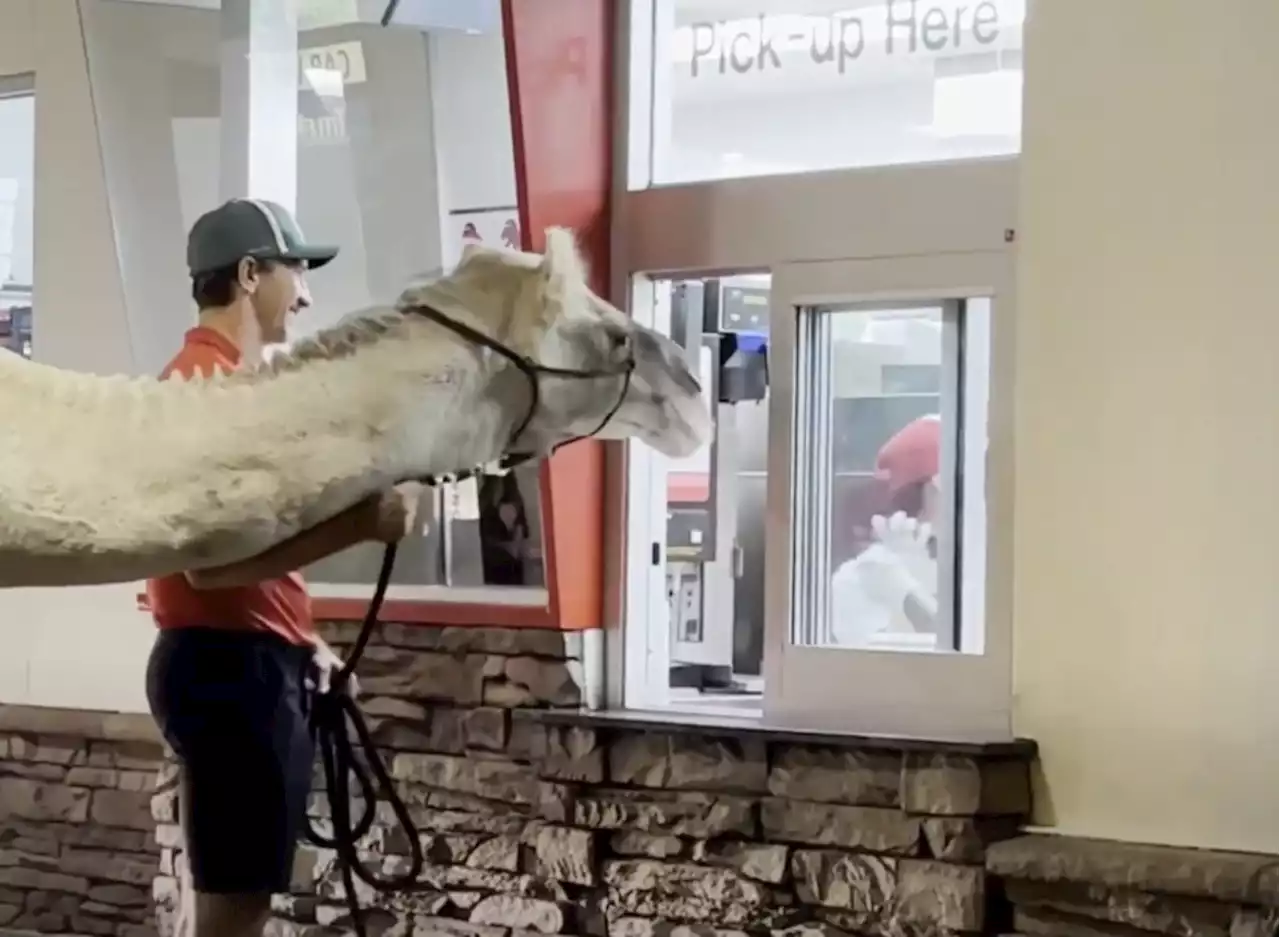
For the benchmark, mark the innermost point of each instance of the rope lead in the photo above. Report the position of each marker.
(342, 760)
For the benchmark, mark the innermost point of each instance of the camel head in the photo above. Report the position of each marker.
(598, 372)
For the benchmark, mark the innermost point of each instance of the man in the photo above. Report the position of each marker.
(226, 676)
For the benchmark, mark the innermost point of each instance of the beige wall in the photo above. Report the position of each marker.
(1145, 531)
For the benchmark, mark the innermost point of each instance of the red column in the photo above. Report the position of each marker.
(560, 81)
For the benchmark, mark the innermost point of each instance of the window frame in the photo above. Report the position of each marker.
(765, 224)
(644, 77)
(950, 694)
(572, 483)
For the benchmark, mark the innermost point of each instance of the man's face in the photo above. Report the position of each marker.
(277, 291)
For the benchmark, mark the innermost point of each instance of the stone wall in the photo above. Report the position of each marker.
(77, 848)
(531, 827)
(1077, 887)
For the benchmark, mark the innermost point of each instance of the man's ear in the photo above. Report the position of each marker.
(247, 274)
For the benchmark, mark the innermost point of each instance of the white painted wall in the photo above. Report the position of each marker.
(1145, 523)
(72, 647)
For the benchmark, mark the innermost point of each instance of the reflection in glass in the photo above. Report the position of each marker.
(838, 85)
(880, 464)
(885, 467)
(15, 319)
(505, 534)
(404, 153)
(485, 533)
(17, 223)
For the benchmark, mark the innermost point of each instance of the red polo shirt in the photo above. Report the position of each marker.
(280, 606)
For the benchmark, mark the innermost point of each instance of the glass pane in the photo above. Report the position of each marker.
(711, 511)
(495, 531)
(391, 126)
(155, 71)
(890, 444)
(17, 229)
(390, 122)
(758, 87)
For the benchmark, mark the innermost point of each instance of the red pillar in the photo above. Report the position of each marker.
(560, 60)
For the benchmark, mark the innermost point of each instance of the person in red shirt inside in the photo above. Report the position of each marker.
(891, 584)
(227, 676)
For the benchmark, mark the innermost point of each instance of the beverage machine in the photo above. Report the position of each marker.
(715, 499)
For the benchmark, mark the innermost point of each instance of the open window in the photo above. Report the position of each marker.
(824, 558)
(877, 612)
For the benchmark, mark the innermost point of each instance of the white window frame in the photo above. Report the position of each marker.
(643, 83)
(949, 694)
(785, 225)
(937, 232)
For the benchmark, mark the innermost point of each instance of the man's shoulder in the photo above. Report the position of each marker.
(197, 359)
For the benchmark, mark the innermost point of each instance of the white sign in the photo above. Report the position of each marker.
(323, 131)
(499, 227)
(8, 222)
(462, 500)
(344, 58)
(837, 40)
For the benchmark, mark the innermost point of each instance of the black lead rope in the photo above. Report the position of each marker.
(331, 714)
(344, 759)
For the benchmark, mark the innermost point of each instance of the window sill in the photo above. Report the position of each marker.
(493, 607)
(479, 613)
(512, 596)
(763, 728)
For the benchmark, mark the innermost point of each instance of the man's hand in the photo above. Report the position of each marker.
(383, 518)
(327, 664)
(388, 517)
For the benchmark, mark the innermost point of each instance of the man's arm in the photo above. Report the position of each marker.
(338, 533)
(384, 518)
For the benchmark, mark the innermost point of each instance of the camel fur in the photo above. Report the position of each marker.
(118, 479)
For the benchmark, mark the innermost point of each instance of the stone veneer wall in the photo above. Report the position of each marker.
(77, 848)
(533, 828)
(1077, 887)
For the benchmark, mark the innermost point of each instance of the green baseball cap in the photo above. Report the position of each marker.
(250, 227)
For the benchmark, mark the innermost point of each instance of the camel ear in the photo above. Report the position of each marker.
(562, 265)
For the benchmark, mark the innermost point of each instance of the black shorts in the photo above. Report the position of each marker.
(233, 707)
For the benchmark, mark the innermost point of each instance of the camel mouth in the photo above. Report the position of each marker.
(689, 429)
(677, 424)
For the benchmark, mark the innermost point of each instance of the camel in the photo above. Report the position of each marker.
(117, 479)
